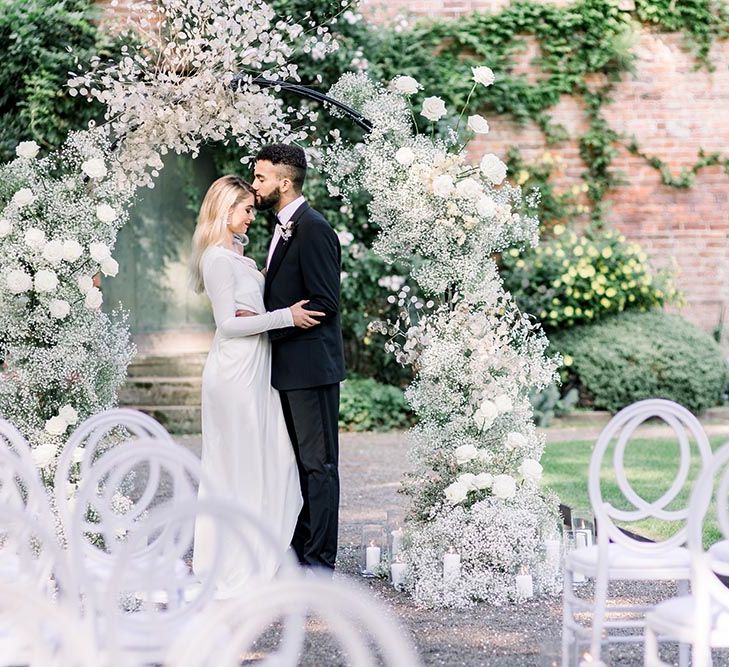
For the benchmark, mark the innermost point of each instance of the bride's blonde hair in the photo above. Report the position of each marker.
(212, 221)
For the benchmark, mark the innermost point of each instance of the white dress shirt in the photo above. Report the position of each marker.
(284, 215)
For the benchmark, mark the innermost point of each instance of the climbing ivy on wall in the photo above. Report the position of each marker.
(584, 50)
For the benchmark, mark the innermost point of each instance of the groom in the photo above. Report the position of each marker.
(304, 262)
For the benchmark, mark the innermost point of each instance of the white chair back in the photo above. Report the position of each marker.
(21, 487)
(622, 426)
(116, 494)
(711, 491)
(165, 537)
(94, 436)
(40, 632)
(366, 631)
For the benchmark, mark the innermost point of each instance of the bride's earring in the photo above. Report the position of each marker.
(243, 239)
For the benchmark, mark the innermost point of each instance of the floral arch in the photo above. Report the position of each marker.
(208, 71)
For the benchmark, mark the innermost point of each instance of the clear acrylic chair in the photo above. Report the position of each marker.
(618, 556)
(700, 620)
(118, 490)
(138, 628)
(91, 438)
(364, 629)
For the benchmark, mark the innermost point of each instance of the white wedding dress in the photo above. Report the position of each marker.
(247, 454)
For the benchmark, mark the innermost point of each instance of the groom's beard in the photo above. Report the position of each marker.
(269, 201)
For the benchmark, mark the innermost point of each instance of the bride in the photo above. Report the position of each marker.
(247, 455)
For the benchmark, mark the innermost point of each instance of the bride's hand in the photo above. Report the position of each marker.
(305, 319)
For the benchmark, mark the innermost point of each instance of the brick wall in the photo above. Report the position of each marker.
(673, 111)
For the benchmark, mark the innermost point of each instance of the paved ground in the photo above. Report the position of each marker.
(509, 636)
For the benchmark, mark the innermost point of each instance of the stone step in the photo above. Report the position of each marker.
(152, 390)
(177, 419)
(167, 365)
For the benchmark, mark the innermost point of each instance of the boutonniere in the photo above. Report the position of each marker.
(287, 230)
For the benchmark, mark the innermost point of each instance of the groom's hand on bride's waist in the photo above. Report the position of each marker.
(245, 313)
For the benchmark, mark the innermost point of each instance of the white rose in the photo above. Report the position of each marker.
(434, 108)
(69, 414)
(43, 455)
(484, 480)
(503, 403)
(56, 425)
(405, 85)
(515, 440)
(94, 299)
(468, 188)
(105, 213)
(99, 251)
(53, 252)
(504, 487)
(109, 267)
(23, 197)
(59, 309)
(94, 168)
(485, 414)
(478, 124)
(531, 470)
(486, 207)
(443, 185)
(28, 149)
(493, 168)
(72, 250)
(483, 75)
(345, 238)
(46, 281)
(465, 453)
(5, 227)
(85, 283)
(18, 281)
(35, 238)
(405, 156)
(467, 479)
(456, 493)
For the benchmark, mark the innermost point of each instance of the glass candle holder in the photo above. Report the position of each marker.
(583, 525)
(570, 544)
(524, 582)
(374, 546)
(395, 521)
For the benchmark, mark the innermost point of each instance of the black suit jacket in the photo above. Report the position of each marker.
(306, 266)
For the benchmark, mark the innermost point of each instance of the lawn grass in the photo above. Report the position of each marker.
(652, 465)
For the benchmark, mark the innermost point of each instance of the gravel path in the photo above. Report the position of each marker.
(509, 636)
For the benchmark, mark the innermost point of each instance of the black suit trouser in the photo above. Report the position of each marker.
(312, 419)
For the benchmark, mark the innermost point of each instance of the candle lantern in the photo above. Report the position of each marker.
(451, 565)
(395, 521)
(374, 546)
(583, 526)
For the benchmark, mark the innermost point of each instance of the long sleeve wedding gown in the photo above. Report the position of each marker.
(247, 454)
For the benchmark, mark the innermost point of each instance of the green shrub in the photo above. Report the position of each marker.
(633, 356)
(34, 102)
(368, 405)
(573, 279)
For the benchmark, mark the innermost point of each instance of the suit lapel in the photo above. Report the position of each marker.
(282, 246)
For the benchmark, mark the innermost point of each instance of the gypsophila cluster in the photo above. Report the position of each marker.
(475, 451)
(191, 78)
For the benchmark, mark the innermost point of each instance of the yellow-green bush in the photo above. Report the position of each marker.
(580, 278)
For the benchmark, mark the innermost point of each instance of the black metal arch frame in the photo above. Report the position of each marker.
(310, 93)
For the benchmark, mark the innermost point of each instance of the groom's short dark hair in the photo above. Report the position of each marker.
(291, 157)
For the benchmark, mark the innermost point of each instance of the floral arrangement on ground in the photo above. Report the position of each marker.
(475, 490)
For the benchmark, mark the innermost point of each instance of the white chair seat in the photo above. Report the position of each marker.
(675, 618)
(627, 564)
(720, 551)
